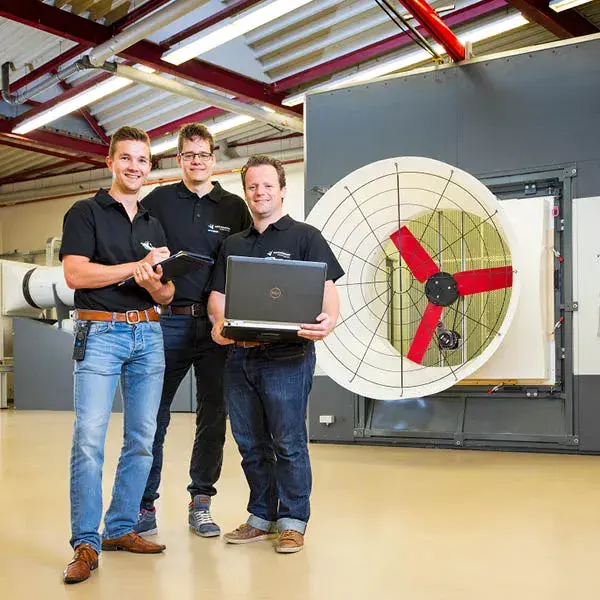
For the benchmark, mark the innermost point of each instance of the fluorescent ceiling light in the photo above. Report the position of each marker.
(476, 34)
(220, 34)
(228, 124)
(164, 145)
(72, 104)
(560, 5)
(215, 128)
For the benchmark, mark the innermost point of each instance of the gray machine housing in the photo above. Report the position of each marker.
(526, 124)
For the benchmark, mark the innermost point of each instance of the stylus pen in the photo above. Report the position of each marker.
(147, 246)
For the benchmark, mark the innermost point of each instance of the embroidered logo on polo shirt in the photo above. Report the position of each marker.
(218, 229)
(278, 254)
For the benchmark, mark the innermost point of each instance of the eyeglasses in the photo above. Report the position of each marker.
(190, 156)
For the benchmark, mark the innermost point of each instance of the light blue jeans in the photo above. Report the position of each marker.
(134, 354)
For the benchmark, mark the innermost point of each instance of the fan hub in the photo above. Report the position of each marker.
(441, 289)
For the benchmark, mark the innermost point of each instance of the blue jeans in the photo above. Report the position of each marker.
(188, 343)
(134, 355)
(267, 401)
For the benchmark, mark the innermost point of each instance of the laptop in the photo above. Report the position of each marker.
(267, 299)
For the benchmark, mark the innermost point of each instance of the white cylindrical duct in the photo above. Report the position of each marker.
(278, 119)
(40, 284)
(28, 288)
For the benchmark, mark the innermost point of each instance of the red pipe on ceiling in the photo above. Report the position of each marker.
(439, 31)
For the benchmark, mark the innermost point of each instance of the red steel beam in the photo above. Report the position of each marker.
(566, 24)
(201, 115)
(82, 147)
(78, 29)
(69, 172)
(25, 144)
(229, 11)
(28, 173)
(380, 48)
(438, 30)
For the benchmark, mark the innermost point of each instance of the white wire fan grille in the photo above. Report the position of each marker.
(431, 282)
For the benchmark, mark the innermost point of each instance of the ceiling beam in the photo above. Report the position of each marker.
(25, 144)
(83, 31)
(380, 48)
(28, 173)
(565, 24)
(173, 126)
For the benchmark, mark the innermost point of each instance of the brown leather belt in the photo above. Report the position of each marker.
(131, 316)
(251, 344)
(196, 310)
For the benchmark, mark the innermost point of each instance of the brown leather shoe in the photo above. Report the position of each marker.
(84, 562)
(289, 541)
(132, 542)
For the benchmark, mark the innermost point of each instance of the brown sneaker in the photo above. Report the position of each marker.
(289, 541)
(245, 534)
(85, 560)
(132, 542)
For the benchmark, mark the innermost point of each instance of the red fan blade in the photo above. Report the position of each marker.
(483, 280)
(415, 256)
(425, 331)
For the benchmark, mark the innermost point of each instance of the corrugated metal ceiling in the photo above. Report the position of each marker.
(322, 30)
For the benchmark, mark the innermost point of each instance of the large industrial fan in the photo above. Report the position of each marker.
(432, 277)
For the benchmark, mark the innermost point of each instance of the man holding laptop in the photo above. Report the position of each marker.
(267, 381)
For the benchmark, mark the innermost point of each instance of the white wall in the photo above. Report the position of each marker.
(26, 227)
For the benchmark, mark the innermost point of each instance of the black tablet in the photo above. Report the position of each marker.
(178, 264)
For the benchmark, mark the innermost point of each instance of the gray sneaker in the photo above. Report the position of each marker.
(146, 524)
(200, 519)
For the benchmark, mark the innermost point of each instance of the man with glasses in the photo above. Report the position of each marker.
(197, 214)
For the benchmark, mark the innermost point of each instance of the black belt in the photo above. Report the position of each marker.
(195, 310)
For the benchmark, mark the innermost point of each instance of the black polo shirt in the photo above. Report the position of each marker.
(198, 224)
(100, 229)
(286, 239)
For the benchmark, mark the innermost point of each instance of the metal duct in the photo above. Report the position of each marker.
(278, 119)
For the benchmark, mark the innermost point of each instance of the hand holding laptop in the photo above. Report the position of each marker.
(318, 331)
(216, 334)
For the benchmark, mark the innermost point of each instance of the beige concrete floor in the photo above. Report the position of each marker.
(390, 523)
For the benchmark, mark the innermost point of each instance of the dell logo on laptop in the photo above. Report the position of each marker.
(275, 293)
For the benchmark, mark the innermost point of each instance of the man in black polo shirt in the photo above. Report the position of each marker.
(267, 385)
(197, 214)
(118, 337)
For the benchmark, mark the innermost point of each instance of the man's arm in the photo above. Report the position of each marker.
(81, 273)
(216, 314)
(327, 319)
